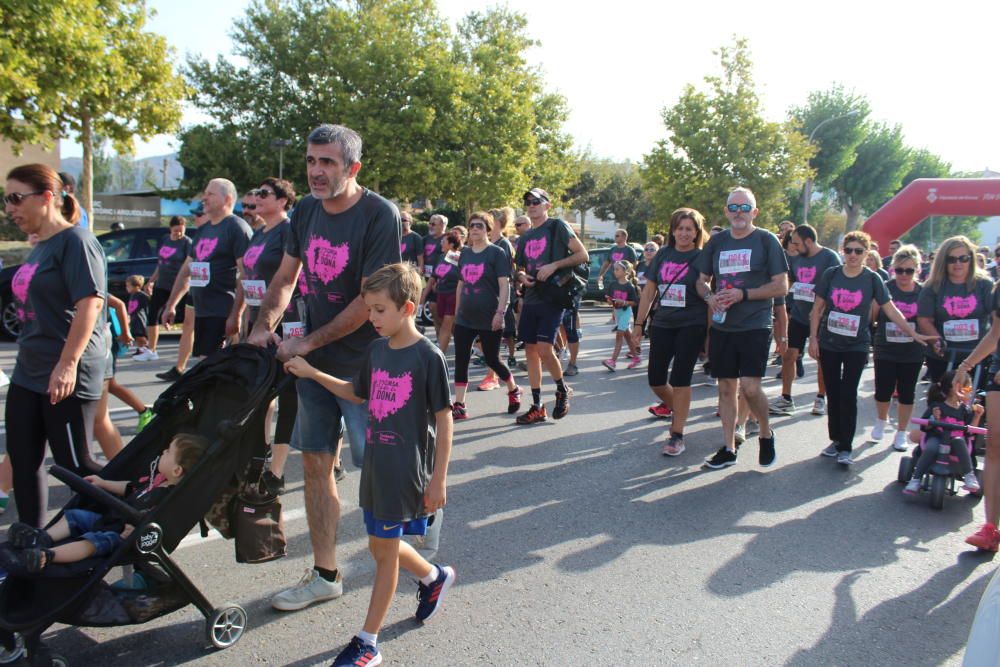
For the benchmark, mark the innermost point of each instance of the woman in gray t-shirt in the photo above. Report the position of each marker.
(59, 293)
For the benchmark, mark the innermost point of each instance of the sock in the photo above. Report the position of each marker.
(675, 434)
(560, 385)
(823, 396)
(882, 422)
(368, 638)
(328, 575)
(536, 397)
(430, 578)
(787, 397)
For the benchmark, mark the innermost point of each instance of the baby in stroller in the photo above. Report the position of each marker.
(29, 550)
(946, 403)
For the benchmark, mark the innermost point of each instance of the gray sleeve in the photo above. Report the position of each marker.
(705, 260)
(438, 389)
(381, 241)
(500, 264)
(82, 264)
(297, 223)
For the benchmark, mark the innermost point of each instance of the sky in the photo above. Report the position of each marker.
(929, 67)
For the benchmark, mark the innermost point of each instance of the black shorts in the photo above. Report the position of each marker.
(209, 335)
(681, 346)
(798, 334)
(736, 354)
(157, 301)
(539, 323)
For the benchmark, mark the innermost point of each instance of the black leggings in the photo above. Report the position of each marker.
(898, 376)
(842, 373)
(31, 420)
(681, 346)
(464, 338)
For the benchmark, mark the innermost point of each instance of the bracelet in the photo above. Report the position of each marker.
(746, 295)
(638, 324)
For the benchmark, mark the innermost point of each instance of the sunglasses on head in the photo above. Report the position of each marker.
(733, 208)
(854, 251)
(900, 271)
(15, 198)
(532, 201)
(959, 259)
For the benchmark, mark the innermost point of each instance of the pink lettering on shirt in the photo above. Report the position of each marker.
(204, 248)
(960, 306)
(471, 273)
(326, 261)
(388, 394)
(845, 300)
(671, 272)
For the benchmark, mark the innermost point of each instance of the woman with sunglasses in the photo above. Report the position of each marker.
(954, 305)
(443, 283)
(898, 359)
(58, 376)
(649, 251)
(840, 335)
(480, 301)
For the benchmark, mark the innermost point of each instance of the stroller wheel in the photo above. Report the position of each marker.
(44, 657)
(8, 656)
(226, 625)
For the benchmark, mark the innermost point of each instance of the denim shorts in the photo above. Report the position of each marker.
(394, 529)
(80, 524)
(321, 418)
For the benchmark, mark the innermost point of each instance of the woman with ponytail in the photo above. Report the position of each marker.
(60, 293)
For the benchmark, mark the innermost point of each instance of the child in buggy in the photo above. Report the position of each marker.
(81, 533)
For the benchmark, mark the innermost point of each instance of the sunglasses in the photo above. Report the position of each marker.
(263, 194)
(15, 198)
(532, 201)
(649, 249)
(854, 251)
(900, 271)
(521, 224)
(959, 259)
(250, 207)
(477, 225)
(733, 208)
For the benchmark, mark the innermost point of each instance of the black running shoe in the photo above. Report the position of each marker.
(24, 536)
(721, 459)
(767, 456)
(171, 375)
(561, 408)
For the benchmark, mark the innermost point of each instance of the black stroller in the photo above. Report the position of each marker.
(223, 398)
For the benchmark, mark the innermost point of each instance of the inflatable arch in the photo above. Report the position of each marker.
(932, 196)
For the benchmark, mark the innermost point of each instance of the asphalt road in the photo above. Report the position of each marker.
(576, 542)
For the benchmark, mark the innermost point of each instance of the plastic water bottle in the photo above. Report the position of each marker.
(718, 316)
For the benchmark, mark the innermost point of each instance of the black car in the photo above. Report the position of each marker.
(597, 258)
(129, 252)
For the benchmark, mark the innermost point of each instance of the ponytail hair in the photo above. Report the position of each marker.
(939, 391)
(44, 178)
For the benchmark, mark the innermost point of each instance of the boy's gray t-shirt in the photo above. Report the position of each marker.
(58, 272)
(479, 273)
(405, 388)
(675, 276)
(170, 259)
(846, 322)
(218, 246)
(748, 262)
(804, 273)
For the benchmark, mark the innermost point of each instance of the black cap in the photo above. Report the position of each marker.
(539, 193)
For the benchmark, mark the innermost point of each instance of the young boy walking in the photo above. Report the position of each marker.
(405, 381)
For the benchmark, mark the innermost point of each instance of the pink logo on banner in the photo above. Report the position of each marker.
(22, 280)
(166, 252)
(845, 300)
(441, 270)
(325, 260)
(909, 310)
(671, 272)
(960, 306)
(534, 248)
(204, 248)
(471, 273)
(133, 305)
(251, 256)
(388, 394)
(806, 274)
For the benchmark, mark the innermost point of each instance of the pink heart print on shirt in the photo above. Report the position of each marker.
(442, 269)
(909, 310)
(471, 273)
(204, 248)
(251, 256)
(845, 300)
(806, 274)
(428, 250)
(535, 247)
(619, 295)
(388, 394)
(671, 272)
(133, 305)
(402, 248)
(325, 260)
(960, 306)
(22, 280)
(616, 256)
(166, 252)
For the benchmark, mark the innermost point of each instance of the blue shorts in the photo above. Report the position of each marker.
(81, 523)
(539, 323)
(321, 418)
(571, 323)
(623, 319)
(394, 529)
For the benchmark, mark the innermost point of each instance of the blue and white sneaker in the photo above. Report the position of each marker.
(358, 654)
(431, 598)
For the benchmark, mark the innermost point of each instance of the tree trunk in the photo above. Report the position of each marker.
(583, 224)
(86, 189)
(853, 215)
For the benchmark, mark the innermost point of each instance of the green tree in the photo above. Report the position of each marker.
(717, 139)
(623, 196)
(881, 160)
(86, 67)
(842, 115)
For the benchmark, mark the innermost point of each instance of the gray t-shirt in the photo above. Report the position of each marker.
(962, 316)
(170, 259)
(446, 273)
(891, 344)
(626, 252)
(263, 258)
(405, 388)
(479, 273)
(410, 247)
(543, 245)
(846, 322)
(748, 262)
(804, 272)
(57, 273)
(337, 252)
(675, 276)
(218, 247)
(432, 253)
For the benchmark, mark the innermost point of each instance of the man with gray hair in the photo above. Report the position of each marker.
(751, 270)
(341, 234)
(212, 267)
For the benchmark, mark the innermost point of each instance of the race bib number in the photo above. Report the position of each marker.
(843, 324)
(642, 280)
(960, 331)
(428, 270)
(734, 261)
(201, 274)
(253, 292)
(804, 292)
(674, 296)
(293, 329)
(893, 334)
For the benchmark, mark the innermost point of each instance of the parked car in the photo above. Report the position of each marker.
(129, 252)
(597, 258)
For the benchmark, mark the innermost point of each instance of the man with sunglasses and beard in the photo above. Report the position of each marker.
(750, 269)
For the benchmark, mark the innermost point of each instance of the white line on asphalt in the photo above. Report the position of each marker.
(195, 538)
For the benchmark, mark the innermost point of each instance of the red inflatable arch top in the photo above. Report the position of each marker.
(932, 196)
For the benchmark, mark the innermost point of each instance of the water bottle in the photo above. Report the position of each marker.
(719, 316)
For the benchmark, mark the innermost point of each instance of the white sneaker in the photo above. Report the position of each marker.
(970, 483)
(819, 406)
(311, 588)
(878, 431)
(899, 442)
(781, 406)
(739, 436)
(753, 428)
(145, 354)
